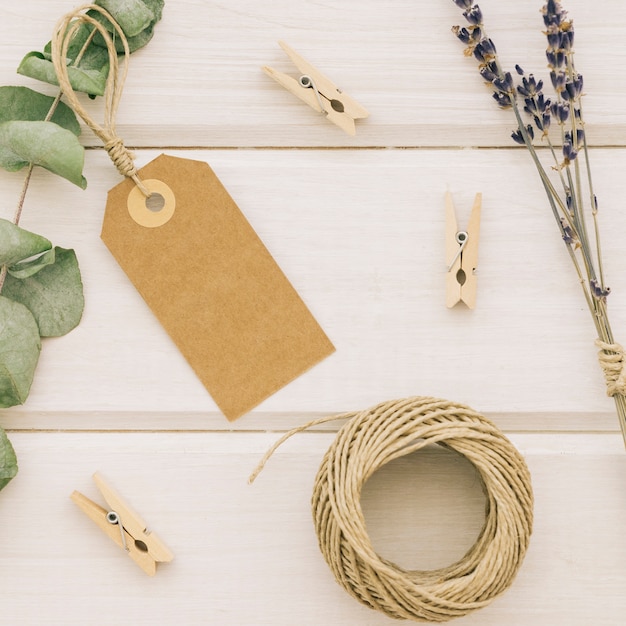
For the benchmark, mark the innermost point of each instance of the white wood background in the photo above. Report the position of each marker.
(357, 225)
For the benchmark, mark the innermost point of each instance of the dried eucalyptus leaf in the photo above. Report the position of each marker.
(94, 59)
(17, 244)
(133, 16)
(22, 103)
(29, 267)
(20, 345)
(156, 6)
(90, 81)
(8, 460)
(91, 58)
(54, 295)
(136, 18)
(142, 39)
(45, 144)
(138, 40)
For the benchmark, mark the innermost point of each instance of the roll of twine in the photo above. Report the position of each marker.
(64, 31)
(387, 431)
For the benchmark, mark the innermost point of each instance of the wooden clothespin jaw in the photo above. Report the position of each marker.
(319, 92)
(124, 527)
(462, 255)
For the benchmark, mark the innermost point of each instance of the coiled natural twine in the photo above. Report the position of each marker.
(390, 430)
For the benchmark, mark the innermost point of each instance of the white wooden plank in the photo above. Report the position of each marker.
(246, 555)
(360, 235)
(199, 82)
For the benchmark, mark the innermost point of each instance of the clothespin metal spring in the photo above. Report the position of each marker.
(462, 238)
(308, 83)
(114, 518)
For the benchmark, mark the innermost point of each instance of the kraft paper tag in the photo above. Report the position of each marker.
(212, 284)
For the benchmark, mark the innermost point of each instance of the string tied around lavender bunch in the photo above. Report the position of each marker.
(613, 362)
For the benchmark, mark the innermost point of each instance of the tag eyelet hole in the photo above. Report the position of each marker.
(155, 202)
(154, 210)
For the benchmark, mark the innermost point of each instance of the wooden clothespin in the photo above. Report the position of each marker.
(319, 92)
(462, 255)
(124, 527)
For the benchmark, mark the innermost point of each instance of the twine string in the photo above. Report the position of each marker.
(373, 438)
(290, 433)
(64, 31)
(613, 363)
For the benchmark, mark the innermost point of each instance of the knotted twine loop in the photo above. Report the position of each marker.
(64, 31)
(390, 430)
(612, 362)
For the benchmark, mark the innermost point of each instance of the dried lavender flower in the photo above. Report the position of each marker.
(573, 88)
(568, 234)
(503, 100)
(462, 33)
(504, 84)
(474, 15)
(569, 152)
(569, 199)
(558, 80)
(553, 13)
(485, 51)
(529, 87)
(598, 291)
(560, 111)
(537, 104)
(489, 71)
(556, 58)
(518, 135)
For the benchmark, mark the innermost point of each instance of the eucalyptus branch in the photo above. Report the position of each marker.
(40, 284)
(31, 165)
(22, 198)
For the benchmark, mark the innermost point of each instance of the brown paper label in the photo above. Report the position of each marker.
(212, 284)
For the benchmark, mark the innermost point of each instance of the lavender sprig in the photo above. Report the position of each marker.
(556, 122)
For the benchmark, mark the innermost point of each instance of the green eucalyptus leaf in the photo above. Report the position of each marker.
(8, 460)
(54, 295)
(45, 144)
(90, 81)
(22, 103)
(29, 267)
(133, 16)
(17, 244)
(20, 345)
